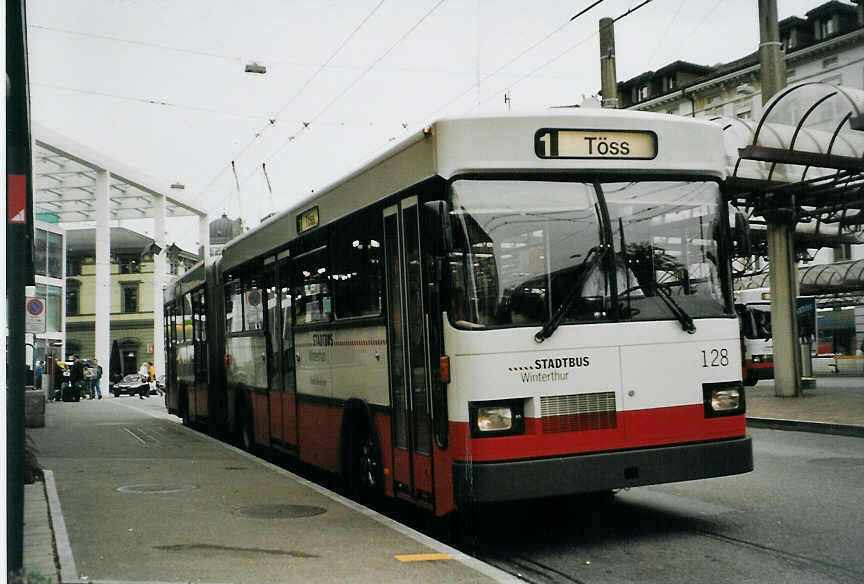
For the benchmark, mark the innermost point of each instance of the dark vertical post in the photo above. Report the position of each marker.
(19, 269)
(608, 80)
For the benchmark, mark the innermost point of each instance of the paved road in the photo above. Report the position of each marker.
(797, 518)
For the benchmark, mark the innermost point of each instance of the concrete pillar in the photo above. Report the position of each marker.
(784, 324)
(103, 276)
(204, 237)
(771, 64)
(608, 78)
(160, 278)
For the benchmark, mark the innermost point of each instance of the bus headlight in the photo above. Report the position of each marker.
(723, 399)
(496, 418)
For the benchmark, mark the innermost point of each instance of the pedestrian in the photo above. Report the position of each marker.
(76, 377)
(151, 372)
(97, 379)
(144, 374)
(37, 375)
(60, 379)
(66, 382)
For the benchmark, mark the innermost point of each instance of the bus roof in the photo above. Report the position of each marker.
(513, 143)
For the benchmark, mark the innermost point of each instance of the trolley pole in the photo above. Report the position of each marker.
(608, 78)
(781, 226)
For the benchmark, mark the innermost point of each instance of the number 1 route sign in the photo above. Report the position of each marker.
(34, 319)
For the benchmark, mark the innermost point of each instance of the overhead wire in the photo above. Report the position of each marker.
(552, 60)
(314, 76)
(513, 60)
(341, 94)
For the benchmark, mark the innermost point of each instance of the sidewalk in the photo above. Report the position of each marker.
(132, 496)
(834, 406)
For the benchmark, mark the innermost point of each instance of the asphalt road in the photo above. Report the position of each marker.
(798, 517)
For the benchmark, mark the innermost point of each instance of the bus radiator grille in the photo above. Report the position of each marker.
(578, 412)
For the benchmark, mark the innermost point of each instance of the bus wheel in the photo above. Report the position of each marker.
(247, 435)
(364, 467)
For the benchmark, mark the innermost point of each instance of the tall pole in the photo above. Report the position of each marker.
(608, 79)
(19, 270)
(781, 227)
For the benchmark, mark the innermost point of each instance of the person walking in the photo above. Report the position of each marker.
(76, 377)
(96, 391)
(144, 373)
(37, 375)
(151, 377)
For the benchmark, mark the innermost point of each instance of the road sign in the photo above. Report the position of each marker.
(34, 318)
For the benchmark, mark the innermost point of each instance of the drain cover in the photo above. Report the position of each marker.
(279, 511)
(157, 488)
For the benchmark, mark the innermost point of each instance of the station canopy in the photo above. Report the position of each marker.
(65, 174)
(803, 158)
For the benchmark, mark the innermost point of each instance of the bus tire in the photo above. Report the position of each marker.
(362, 464)
(247, 430)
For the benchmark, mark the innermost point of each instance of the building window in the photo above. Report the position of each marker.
(642, 93)
(827, 28)
(73, 297)
(40, 251)
(843, 253)
(129, 263)
(129, 291)
(55, 255)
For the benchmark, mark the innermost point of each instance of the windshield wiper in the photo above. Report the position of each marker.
(684, 318)
(590, 262)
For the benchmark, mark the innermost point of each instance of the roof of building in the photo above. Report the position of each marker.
(123, 240)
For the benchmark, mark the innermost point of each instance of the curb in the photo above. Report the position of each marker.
(854, 430)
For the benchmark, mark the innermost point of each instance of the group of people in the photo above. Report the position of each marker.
(76, 378)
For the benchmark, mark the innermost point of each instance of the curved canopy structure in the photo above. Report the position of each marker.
(804, 156)
(817, 280)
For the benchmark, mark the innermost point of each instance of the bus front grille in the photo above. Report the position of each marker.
(578, 412)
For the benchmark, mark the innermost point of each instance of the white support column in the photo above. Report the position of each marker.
(204, 237)
(160, 278)
(103, 276)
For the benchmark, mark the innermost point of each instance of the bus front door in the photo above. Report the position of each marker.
(409, 384)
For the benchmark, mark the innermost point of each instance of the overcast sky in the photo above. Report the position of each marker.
(160, 85)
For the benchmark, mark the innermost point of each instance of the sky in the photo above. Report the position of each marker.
(160, 84)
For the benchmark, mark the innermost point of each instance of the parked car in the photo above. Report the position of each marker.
(131, 384)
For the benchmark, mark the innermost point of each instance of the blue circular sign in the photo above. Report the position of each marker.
(35, 306)
(254, 298)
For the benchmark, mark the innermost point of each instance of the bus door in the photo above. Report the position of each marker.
(199, 337)
(409, 383)
(282, 393)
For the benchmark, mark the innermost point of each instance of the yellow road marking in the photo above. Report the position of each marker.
(422, 557)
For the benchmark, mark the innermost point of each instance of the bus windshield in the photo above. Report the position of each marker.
(522, 247)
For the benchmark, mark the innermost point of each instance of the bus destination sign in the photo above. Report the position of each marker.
(307, 219)
(616, 144)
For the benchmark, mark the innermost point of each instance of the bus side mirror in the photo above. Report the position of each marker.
(437, 229)
(743, 246)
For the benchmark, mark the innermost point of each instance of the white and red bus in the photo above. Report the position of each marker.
(498, 308)
(757, 344)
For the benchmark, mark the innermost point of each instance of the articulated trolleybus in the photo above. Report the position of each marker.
(499, 308)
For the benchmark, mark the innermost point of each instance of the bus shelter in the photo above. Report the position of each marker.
(799, 168)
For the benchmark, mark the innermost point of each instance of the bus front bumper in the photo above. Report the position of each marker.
(495, 482)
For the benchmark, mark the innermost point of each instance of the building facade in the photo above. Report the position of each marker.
(131, 293)
(826, 46)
